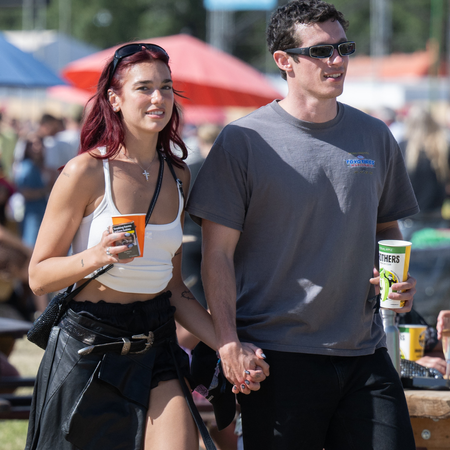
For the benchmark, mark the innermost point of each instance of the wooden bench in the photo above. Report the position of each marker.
(14, 406)
(430, 418)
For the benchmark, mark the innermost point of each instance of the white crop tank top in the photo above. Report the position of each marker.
(148, 274)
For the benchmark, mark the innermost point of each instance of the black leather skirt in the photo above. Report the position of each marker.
(100, 400)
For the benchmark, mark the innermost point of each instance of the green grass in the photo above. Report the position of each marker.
(26, 357)
(13, 434)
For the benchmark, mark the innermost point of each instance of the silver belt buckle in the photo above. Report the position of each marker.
(126, 346)
(150, 338)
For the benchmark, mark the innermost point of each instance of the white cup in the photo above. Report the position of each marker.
(394, 256)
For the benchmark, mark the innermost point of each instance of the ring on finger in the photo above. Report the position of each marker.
(108, 252)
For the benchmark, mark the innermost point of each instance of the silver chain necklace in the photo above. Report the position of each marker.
(145, 171)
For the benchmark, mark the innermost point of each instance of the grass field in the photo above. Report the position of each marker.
(13, 434)
(26, 358)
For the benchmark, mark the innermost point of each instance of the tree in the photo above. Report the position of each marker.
(105, 23)
(109, 22)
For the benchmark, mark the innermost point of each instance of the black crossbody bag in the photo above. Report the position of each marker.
(40, 331)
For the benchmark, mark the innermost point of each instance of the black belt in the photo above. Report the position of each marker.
(123, 345)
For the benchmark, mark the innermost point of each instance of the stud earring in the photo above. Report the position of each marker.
(115, 108)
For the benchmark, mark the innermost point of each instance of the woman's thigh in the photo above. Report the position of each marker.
(169, 422)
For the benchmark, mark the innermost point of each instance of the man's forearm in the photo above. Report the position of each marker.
(219, 283)
(243, 365)
(389, 233)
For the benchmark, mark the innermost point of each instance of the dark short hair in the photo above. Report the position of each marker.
(282, 26)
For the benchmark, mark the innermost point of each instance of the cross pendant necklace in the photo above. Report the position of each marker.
(145, 173)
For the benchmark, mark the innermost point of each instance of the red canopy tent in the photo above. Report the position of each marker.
(69, 94)
(208, 77)
(396, 65)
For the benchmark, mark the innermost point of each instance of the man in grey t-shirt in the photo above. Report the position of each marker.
(292, 200)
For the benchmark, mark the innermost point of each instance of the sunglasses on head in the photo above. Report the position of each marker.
(325, 50)
(131, 49)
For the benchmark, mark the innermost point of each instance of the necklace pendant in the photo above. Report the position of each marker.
(146, 174)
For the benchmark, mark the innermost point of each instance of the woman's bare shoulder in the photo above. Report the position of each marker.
(82, 168)
(81, 180)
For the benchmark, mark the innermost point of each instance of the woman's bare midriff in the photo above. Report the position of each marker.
(95, 291)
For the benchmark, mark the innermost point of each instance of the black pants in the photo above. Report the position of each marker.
(314, 402)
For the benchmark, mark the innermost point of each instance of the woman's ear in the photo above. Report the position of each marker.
(113, 100)
(282, 60)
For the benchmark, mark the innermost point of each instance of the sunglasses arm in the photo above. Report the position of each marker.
(299, 51)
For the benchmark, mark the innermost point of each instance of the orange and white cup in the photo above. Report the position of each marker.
(139, 222)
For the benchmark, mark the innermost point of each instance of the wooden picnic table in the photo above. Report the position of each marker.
(430, 418)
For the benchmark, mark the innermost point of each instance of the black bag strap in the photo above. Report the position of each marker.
(157, 188)
(207, 440)
(71, 294)
(172, 171)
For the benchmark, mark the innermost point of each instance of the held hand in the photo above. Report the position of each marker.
(109, 250)
(440, 322)
(243, 368)
(260, 371)
(376, 281)
(405, 291)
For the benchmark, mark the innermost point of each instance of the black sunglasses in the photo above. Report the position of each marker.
(131, 49)
(325, 50)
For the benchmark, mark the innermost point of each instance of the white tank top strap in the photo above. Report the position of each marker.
(107, 174)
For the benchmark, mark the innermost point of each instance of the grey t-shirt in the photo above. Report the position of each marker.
(306, 198)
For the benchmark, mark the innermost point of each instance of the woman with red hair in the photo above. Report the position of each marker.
(112, 376)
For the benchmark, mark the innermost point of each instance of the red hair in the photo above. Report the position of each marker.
(102, 127)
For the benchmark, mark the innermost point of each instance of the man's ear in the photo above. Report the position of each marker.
(282, 60)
